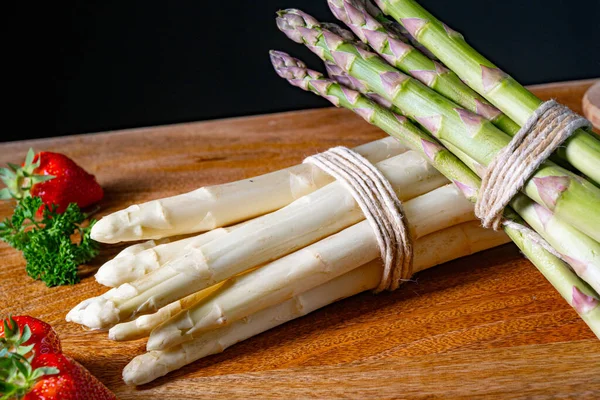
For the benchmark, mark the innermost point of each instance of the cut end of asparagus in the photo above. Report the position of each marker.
(94, 313)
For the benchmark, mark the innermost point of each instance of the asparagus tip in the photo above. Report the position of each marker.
(491, 77)
(427, 77)
(488, 111)
(550, 188)
(343, 60)
(471, 120)
(582, 302)
(543, 214)
(366, 113)
(432, 123)
(391, 81)
(413, 25)
(430, 149)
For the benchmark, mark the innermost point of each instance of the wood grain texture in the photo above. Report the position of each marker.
(483, 326)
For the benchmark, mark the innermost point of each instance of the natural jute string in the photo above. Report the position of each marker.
(549, 126)
(381, 207)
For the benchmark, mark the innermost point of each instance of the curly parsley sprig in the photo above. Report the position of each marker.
(52, 255)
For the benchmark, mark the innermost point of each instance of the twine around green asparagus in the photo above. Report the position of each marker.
(573, 289)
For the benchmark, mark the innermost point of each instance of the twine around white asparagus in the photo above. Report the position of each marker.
(549, 126)
(381, 207)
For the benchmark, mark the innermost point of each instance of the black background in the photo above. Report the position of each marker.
(138, 63)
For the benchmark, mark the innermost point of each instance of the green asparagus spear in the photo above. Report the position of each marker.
(415, 63)
(574, 290)
(582, 150)
(567, 195)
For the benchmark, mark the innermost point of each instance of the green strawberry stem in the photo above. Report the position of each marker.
(570, 197)
(575, 291)
(19, 180)
(582, 150)
(17, 377)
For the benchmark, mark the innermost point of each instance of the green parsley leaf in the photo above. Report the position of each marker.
(46, 243)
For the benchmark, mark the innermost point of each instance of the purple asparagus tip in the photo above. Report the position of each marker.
(366, 113)
(491, 77)
(334, 100)
(365, 54)
(344, 34)
(399, 50)
(375, 39)
(357, 84)
(321, 86)
(350, 94)
(401, 118)
(288, 21)
(472, 122)
(343, 60)
(337, 8)
(430, 149)
(427, 77)
(432, 123)
(391, 81)
(452, 33)
(382, 101)
(287, 66)
(580, 267)
(466, 190)
(582, 302)
(414, 25)
(355, 16)
(332, 40)
(550, 188)
(310, 35)
(543, 214)
(486, 110)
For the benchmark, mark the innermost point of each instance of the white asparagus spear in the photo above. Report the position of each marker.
(305, 221)
(221, 205)
(307, 268)
(144, 324)
(436, 248)
(132, 264)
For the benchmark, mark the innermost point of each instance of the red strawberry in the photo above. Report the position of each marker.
(73, 382)
(43, 337)
(54, 177)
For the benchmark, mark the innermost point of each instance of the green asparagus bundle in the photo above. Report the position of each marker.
(374, 73)
(573, 289)
(570, 197)
(582, 150)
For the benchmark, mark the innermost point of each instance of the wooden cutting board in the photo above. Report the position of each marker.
(488, 325)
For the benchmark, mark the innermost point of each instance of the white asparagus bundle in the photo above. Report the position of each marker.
(215, 206)
(436, 248)
(307, 268)
(305, 221)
